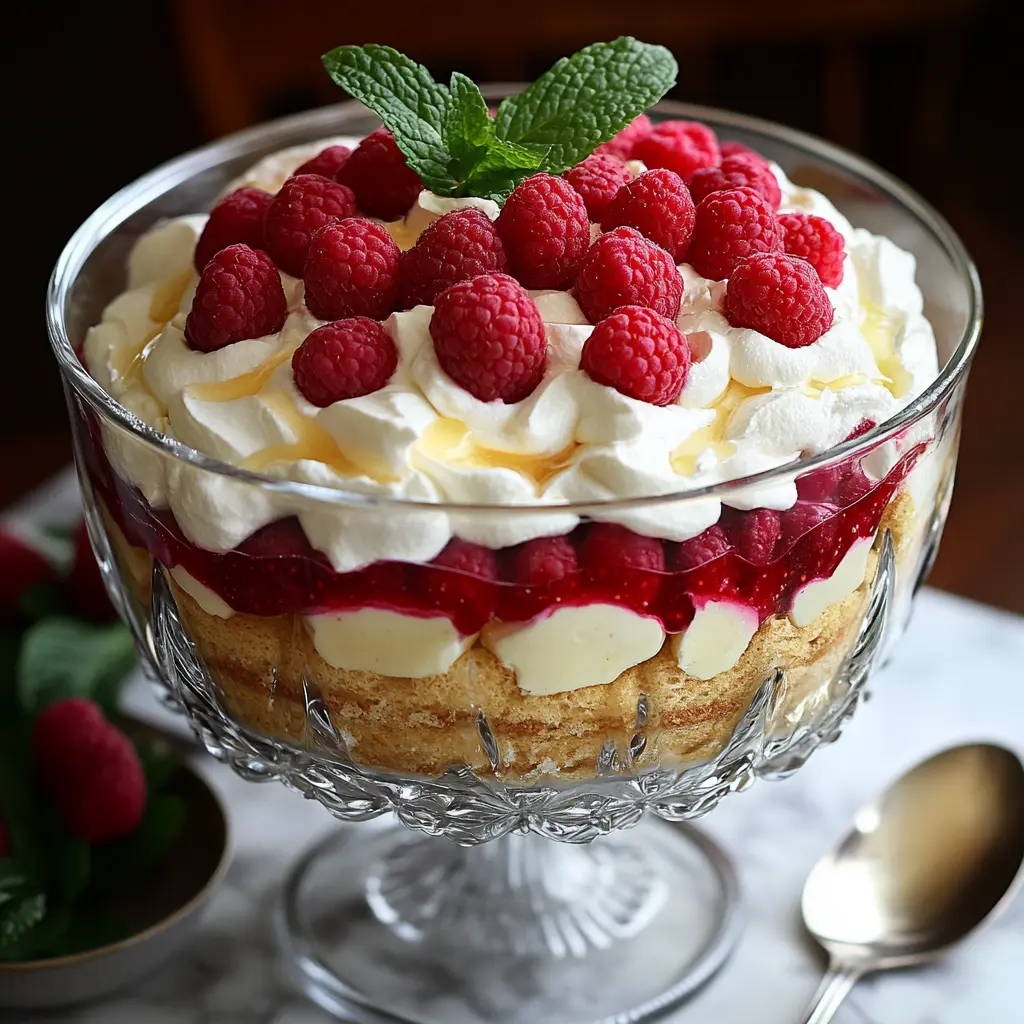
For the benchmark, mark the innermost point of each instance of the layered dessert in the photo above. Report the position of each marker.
(526, 408)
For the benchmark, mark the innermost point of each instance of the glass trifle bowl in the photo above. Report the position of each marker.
(387, 654)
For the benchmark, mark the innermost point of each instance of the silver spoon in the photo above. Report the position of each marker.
(939, 852)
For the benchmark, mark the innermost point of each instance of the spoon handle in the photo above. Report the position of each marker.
(834, 987)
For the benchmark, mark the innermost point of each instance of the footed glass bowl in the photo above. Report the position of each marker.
(644, 697)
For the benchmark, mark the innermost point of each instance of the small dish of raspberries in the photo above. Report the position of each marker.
(95, 809)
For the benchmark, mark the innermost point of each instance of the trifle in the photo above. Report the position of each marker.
(567, 416)
(519, 470)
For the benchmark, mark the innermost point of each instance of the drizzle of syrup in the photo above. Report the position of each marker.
(449, 441)
(163, 307)
(712, 437)
(166, 300)
(878, 329)
(244, 385)
(312, 442)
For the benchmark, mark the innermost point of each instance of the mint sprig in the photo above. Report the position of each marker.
(456, 147)
(585, 99)
(484, 165)
(468, 128)
(407, 99)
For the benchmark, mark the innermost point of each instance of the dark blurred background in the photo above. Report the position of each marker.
(104, 91)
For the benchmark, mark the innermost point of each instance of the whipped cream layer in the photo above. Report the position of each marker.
(749, 404)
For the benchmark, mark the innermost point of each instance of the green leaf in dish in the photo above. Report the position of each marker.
(21, 909)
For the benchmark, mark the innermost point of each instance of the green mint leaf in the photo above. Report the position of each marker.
(468, 128)
(585, 99)
(493, 182)
(504, 166)
(18, 915)
(44, 938)
(406, 98)
(482, 164)
(63, 657)
(514, 156)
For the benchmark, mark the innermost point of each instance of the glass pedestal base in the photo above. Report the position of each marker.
(382, 925)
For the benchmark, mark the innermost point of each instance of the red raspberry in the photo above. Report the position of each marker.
(779, 296)
(327, 162)
(472, 559)
(344, 359)
(296, 577)
(623, 143)
(733, 148)
(384, 184)
(238, 217)
(461, 579)
(352, 270)
(822, 484)
(489, 338)
(91, 770)
(21, 567)
(86, 592)
(681, 146)
(730, 225)
(108, 798)
(754, 534)
(610, 546)
(811, 531)
(804, 517)
(814, 239)
(737, 172)
(545, 230)
(64, 733)
(659, 206)
(699, 550)
(597, 179)
(623, 269)
(621, 566)
(239, 296)
(640, 353)
(283, 538)
(853, 486)
(456, 247)
(544, 560)
(304, 204)
(819, 484)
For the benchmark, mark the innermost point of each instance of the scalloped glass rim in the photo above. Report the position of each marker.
(323, 122)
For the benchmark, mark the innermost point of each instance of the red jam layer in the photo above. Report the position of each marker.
(759, 558)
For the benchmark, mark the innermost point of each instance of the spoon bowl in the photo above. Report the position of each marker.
(924, 864)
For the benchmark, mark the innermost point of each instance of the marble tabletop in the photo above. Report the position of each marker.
(955, 677)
